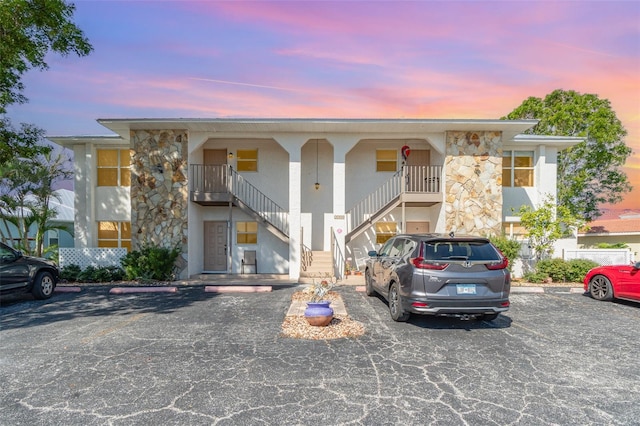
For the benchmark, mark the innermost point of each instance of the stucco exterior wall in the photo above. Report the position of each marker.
(545, 176)
(473, 194)
(159, 190)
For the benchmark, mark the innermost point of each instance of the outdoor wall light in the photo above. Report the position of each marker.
(317, 185)
(230, 156)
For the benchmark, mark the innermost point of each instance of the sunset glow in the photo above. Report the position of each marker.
(305, 59)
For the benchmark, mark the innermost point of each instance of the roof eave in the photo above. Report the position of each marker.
(509, 128)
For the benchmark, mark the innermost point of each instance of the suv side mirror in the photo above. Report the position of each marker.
(373, 253)
(637, 265)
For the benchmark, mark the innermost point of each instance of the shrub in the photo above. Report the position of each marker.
(557, 269)
(536, 277)
(509, 247)
(87, 275)
(92, 274)
(150, 263)
(578, 268)
(70, 273)
(612, 245)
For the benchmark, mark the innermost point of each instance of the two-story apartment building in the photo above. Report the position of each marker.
(218, 188)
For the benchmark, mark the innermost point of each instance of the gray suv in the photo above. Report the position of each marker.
(434, 274)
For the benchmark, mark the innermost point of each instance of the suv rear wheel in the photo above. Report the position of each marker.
(43, 285)
(395, 304)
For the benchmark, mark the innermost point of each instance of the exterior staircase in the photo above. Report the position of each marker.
(415, 185)
(219, 185)
(321, 267)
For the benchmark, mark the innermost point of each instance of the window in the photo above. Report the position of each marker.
(114, 234)
(247, 160)
(52, 238)
(113, 167)
(513, 229)
(385, 230)
(247, 232)
(386, 160)
(517, 168)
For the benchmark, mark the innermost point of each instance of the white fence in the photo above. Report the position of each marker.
(601, 256)
(95, 257)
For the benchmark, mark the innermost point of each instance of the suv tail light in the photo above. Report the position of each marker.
(500, 265)
(420, 263)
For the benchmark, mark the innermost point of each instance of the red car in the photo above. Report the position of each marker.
(616, 281)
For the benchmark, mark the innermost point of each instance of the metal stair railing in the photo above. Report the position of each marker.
(306, 254)
(376, 201)
(409, 179)
(257, 201)
(337, 256)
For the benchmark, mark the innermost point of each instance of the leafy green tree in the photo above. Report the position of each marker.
(508, 246)
(29, 29)
(588, 173)
(25, 142)
(546, 224)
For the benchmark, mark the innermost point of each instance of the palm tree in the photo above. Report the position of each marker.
(26, 191)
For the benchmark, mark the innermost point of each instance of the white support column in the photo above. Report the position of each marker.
(82, 196)
(295, 223)
(293, 145)
(342, 144)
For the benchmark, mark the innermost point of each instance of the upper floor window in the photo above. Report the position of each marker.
(386, 160)
(247, 232)
(114, 234)
(247, 160)
(113, 167)
(517, 168)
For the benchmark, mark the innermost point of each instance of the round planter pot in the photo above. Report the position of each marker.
(318, 314)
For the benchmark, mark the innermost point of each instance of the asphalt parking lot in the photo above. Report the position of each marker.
(197, 358)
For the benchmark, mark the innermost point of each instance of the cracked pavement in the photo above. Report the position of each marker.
(199, 358)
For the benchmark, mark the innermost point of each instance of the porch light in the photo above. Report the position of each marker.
(317, 185)
(230, 156)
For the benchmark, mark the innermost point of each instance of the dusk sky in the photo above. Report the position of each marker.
(357, 59)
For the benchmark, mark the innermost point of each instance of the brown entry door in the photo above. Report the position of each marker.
(418, 177)
(215, 246)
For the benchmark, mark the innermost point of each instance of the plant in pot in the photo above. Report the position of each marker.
(319, 312)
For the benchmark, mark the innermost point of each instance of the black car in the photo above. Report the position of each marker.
(24, 274)
(434, 274)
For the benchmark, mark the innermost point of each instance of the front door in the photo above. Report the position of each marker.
(215, 246)
(215, 175)
(418, 172)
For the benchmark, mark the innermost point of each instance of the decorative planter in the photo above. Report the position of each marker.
(319, 314)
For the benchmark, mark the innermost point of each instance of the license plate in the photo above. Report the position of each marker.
(465, 288)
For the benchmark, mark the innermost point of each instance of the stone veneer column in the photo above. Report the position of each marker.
(159, 190)
(473, 179)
